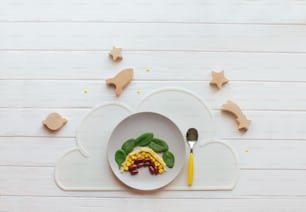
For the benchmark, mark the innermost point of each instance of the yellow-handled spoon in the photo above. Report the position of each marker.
(192, 138)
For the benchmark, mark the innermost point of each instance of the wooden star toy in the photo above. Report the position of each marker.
(116, 54)
(218, 79)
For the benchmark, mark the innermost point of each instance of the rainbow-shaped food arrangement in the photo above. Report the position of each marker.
(145, 151)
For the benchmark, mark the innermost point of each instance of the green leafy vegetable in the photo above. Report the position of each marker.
(169, 159)
(120, 157)
(158, 145)
(144, 139)
(128, 146)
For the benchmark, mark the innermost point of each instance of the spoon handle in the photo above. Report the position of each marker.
(190, 169)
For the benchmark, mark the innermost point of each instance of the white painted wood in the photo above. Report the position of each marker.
(33, 151)
(50, 51)
(60, 204)
(252, 183)
(268, 11)
(265, 124)
(88, 65)
(253, 154)
(153, 36)
(70, 93)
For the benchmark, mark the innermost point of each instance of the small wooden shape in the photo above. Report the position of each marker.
(121, 80)
(116, 54)
(242, 121)
(54, 121)
(218, 79)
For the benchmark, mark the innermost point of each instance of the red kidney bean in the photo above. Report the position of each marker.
(139, 165)
(147, 160)
(138, 160)
(147, 164)
(132, 167)
(133, 172)
(156, 170)
(152, 169)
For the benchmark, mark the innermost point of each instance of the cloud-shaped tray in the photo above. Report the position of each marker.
(86, 167)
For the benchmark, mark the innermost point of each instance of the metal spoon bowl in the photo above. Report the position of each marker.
(192, 137)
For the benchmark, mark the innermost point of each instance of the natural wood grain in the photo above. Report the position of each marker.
(153, 36)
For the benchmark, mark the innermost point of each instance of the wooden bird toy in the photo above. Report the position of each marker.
(121, 80)
(242, 121)
(54, 121)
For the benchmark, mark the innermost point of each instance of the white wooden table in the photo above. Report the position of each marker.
(51, 50)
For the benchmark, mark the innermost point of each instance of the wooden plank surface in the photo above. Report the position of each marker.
(51, 51)
(38, 181)
(194, 66)
(241, 11)
(70, 93)
(253, 154)
(161, 204)
(154, 36)
(289, 125)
